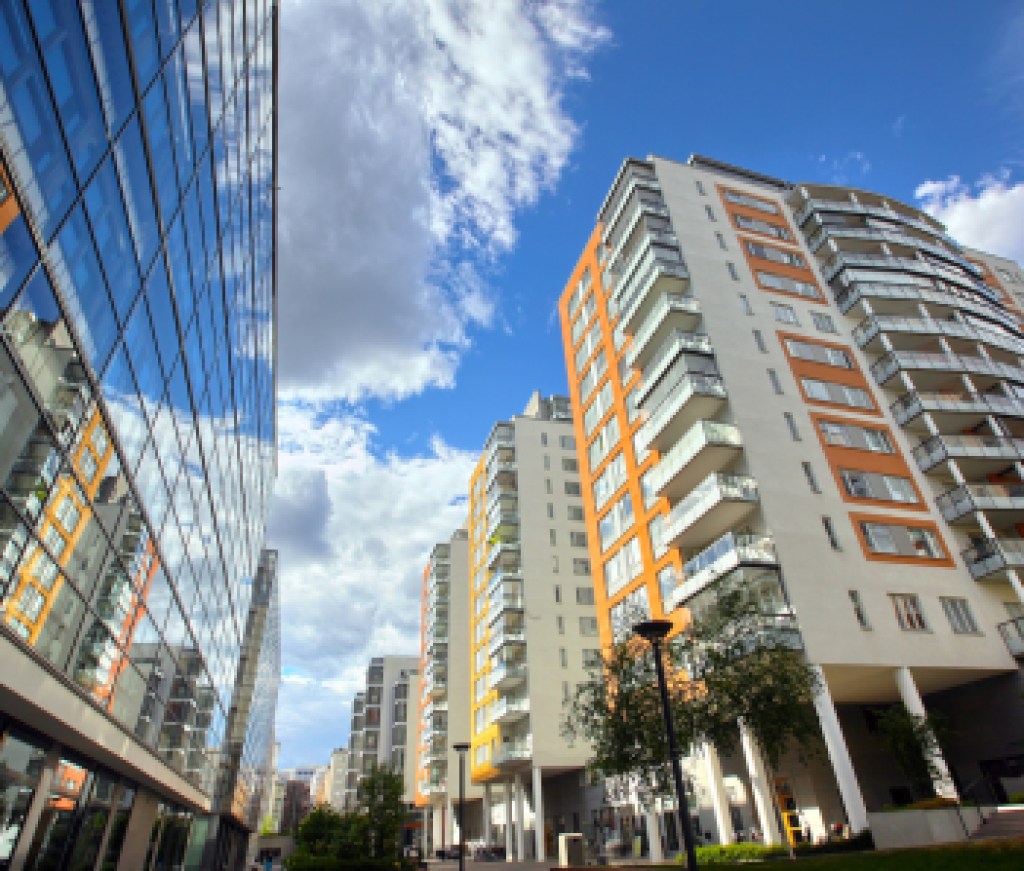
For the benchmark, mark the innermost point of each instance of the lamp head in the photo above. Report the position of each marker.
(653, 631)
(461, 747)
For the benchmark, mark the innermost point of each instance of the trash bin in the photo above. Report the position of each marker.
(570, 850)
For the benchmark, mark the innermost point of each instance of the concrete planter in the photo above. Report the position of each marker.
(918, 828)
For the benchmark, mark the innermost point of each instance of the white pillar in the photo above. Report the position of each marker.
(453, 817)
(842, 765)
(508, 821)
(760, 787)
(487, 815)
(942, 781)
(656, 852)
(538, 814)
(520, 819)
(438, 827)
(719, 797)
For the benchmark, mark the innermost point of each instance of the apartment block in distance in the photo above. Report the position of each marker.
(380, 719)
(533, 629)
(443, 704)
(812, 391)
(137, 429)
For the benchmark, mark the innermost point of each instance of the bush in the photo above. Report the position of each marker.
(860, 841)
(1016, 797)
(306, 862)
(735, 854)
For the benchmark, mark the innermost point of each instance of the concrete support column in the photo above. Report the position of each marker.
(538, 814)
(115, 800)
(438, 827)
(486, 828)
(760, 787)
(719, 797)
(656, 852)
(452, 812)
(941, 779)
(137, 835)
(839, 754)
(35, 809)
(508, 821)
(520, 819)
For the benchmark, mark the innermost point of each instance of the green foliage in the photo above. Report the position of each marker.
(735, 854)
(368, 837)
(734, 663)
(915, 743)
(1016, 798)
(267, 825)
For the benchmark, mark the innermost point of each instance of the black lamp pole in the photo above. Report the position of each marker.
(654, 632)
(461, 750)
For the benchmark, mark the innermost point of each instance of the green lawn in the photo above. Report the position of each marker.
(987, 855)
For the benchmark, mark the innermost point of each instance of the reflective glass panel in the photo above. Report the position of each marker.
(21, 760)
(142, 30)
(110, 228)
(158, 134)
(106, 41)
(138, 194)
(17, 250)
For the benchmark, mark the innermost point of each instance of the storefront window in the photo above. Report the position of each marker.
(21, 762)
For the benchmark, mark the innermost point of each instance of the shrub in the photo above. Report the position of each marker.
(1016, 797)
(735, 854)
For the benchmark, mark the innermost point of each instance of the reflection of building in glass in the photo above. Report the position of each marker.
(814, 393)
(137, 430)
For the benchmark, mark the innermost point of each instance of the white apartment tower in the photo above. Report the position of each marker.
(814, 391)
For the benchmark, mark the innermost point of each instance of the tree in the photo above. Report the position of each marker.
(914, 742)
(737, 661)
(380, 798)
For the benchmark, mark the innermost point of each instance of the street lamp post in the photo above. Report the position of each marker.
(461, 750)
(654, 632)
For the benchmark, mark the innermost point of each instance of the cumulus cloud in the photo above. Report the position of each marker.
(987, 214)
(410, 133)
(352, 562)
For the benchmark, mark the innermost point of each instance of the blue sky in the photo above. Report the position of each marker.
(441, 168)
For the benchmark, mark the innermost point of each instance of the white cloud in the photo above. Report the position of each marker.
(410, 133)
(351, 568)
(987, 215)
(851, 168)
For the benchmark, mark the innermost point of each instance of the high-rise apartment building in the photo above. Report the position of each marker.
(380, 718)
(812, 391)
(534, 632)
(137, 426)
(443, 702)
(336, 776)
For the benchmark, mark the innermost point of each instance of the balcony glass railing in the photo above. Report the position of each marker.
(677, 394)
(966, 498)
(635, 291)
(505, 671)
(1012, 632)
(712, 491)
(514, 751)
(941, 447)
(678, 342)
(700, 435)
(669, 303)
(507, 705)
(731, 549)
(993, 555)
(914, 403)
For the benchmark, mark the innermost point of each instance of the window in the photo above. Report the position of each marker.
(569, 464)
(581, 566)
(775, 255)
(700, 187)
(873, 485)
(912, 541)
(563, 657)
(547, 486)
(789, 285)
(552, 538)
(554, 563)
(584, 595)
(565, 690)
(31, 602)
(791, 423)
(773, 378)
(879, 536)
(812, 482)
(558, 594)
(848, 435)
(824, 322)
(753, 202)
(816, 353)
(598, 408)
(839, 394)
(588, 626)
(733, 274)
(54, 540)
(575, 512)
(745, 304)
(622, 567)
(560, 624)
(547, 463)
(613, 477)
(99, 440)
(756, 225)
(617, 520)
(858, 609)
(87, 465)
(958, 612)
(551, 510)
(578, 539)
(759, 341)
(591, 658)
(544, 439)
(830, 531)
(606, 438)
(573, 488)
(721, 241)
(709, 212)
(67, 513)
(567, 443)
(784, 314)
(924, 542)
(909, 615)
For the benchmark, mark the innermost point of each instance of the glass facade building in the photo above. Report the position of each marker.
(137, 423)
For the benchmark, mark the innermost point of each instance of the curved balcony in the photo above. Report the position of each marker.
(707, 447)
(677, 343)
(975, 454)
(716, 504)
(868, 332)
(903, 298)
(954, 411)
(961, 502)
(653, 277)
(993, 557)
(731, 552)
(673, 311)
(853, 260)
(817, 204)
(886, 367)
(687, 399)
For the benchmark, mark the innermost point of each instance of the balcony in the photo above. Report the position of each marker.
(854, 260)
(848, 207)
(501, 577)
(505, 636)
(716, 504)
(676, 344)
(506, 675)
(653, 277)
(868, 332)
(1005, 499)
(944, 364)
(671, 311)
(439, 688)
(510, 709)
(1012, 632)
(502, 606)
(689, 398)
(707, 447)
(993, 557)
(906, 296)
(975, 455)
(502, 524)
(515, 751)
(729, 553)
(505, 553)
(629, 184)
(954, 411)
